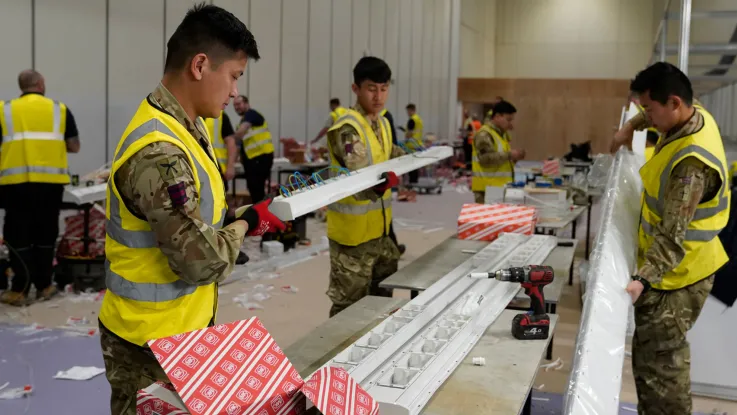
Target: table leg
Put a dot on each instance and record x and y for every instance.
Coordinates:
(527, 409)
(573, 228)
(549, 353)
(588, 226)
(413, 293)
(570, 274)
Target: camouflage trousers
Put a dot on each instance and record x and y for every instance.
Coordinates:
(128, 368)
(356, 271)
(479, 197)
(661, 356)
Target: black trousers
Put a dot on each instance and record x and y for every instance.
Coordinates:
(258, 171)
(31, 228)
(467, 153)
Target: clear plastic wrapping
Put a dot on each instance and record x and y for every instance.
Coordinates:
(599, 171)
(596, 374)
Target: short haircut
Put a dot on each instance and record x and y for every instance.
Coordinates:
(211, 30)
(662, 80)
(652, 137)
(370, 68)
(503, 107)
(28, 79)
(334, 101)
(243, 97)
(411, 106)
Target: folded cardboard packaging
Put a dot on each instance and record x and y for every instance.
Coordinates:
(237, 368)
(486, 222)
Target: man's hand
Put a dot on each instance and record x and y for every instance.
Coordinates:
(516, 155)
(622, 137)
(260, 220)
(634, 289)
(390, 180)
(230, 173)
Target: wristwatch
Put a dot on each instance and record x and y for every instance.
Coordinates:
(645, 283)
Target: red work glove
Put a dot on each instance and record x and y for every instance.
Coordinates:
(260, 220)
(390, 180)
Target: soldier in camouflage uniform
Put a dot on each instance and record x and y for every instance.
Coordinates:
(357, 270)
(157, 184)
(674, 278)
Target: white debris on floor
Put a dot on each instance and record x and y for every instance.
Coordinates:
(80, 373)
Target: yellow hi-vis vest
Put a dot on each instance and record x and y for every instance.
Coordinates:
(351, 221)
(145, 300)
(491, 176)
(337, 113)
(417, 132)
(215, 130)
(258, 141)
(649, 151)
(33, 147)
(704, 251)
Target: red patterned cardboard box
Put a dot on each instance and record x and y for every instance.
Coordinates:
(551, 168)
(237, 368)
(72, 243)
(486, 222)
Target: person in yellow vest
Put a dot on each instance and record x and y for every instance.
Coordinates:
(223, 142)
(493, 157)
(336, 111)
(651, 141)
(497, 99)
(361, 252)
(686, 201)
(257, 149)
(413, 135)
(36, 133)
(165, 245)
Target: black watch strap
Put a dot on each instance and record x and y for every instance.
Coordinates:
(645, 283)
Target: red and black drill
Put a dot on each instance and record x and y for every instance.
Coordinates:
(535, 326)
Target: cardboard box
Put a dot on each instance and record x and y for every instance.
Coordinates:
(551, 168)
(486, 222)
(237, 368)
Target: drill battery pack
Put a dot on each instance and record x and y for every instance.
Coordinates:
(531, 326)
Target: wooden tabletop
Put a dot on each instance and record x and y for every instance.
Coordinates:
(314, 350)
(426, 270)
(500, 387)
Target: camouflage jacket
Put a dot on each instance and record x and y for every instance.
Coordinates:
(690, 183)
(486, 150)
(197, 253)
(350, 152)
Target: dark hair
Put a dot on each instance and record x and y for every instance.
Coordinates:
(503, 107)
(662, 80)
(212, 30)
(243, 97)
(411, 106)
(652, 137)
(334, 101)
(372, 69)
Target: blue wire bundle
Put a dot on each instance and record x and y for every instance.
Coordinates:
(298, 182)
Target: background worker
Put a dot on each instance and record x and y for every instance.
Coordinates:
(165, 245)
(413, 135)
(685, 206)
(336, 111)
(467, 132)
(257, 154)
(36, 133)
(497, 99)
(493, 156)
(223, 142)
(361, 253)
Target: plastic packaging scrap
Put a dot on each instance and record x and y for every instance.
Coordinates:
(79, 373)
(290, 289)
(88, 296)
(252, 300)
(599, 171)
(556, 365)
(479, 361)
(31, 329)
(77, 321)
(15, 393)
(42, 339)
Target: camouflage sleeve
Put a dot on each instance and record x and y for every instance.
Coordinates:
(486, 150)
(197, 253)
(397, 151)
(689, 181)
(350, 152)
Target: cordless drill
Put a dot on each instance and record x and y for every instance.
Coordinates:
(532, 278)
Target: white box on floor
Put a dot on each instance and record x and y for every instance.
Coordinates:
(272, 248)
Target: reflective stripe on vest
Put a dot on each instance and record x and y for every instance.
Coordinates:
(11, 135)
(147, 239)
(694, 235)
(657, 204)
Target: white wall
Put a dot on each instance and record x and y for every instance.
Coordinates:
(556, 38)
(102, 57)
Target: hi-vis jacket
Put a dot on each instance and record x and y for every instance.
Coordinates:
(257, 141)
(498, 175)
(215, 129)
(351, 221)
(33, 147)
(145, 300)
(704, 251)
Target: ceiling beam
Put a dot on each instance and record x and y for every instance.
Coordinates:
(709, 78)
(704, 49)
(705, 14)
(712, 66)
